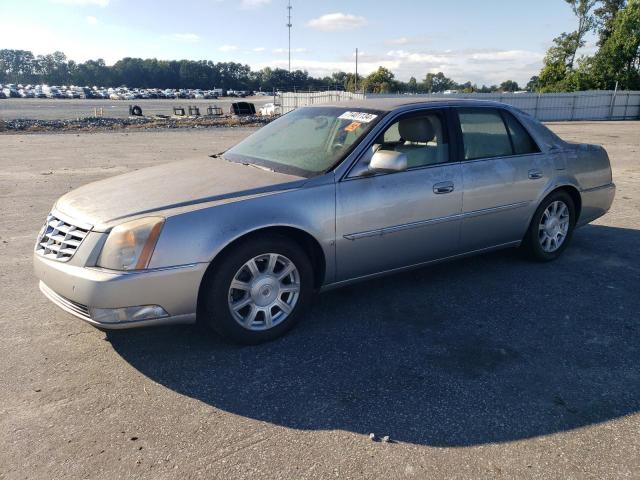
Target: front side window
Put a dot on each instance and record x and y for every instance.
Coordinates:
(484, 134)
(422, 138)
(308, 141)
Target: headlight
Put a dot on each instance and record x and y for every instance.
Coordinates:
(129, 246)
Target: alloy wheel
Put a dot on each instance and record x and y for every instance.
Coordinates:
(264, 291)
(554, 226)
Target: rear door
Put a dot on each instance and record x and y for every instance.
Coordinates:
(503, 173)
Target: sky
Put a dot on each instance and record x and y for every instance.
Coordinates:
(484, 42)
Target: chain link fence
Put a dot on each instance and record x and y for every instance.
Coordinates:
(590, 105)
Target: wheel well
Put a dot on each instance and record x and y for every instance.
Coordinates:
(302, 238)
(575, 196)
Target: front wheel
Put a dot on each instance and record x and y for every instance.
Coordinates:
(551, 227)
(258, 290)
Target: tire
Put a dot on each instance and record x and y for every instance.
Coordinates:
(136, 111)
(538, 243)
(260, 290)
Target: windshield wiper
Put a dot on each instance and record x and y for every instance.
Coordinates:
(259, 166)
(219, 155)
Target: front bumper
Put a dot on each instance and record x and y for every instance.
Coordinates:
(78, 289)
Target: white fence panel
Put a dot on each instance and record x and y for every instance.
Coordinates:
(590, 105)
(291, 101)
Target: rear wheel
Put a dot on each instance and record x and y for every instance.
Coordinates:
(258, 290)
(551, 227)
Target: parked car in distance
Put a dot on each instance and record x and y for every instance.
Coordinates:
(321, 197)
(11, 91)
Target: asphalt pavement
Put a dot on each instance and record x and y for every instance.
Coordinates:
(488, 367)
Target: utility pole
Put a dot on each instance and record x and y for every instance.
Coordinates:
(289, 25)
(356, 83)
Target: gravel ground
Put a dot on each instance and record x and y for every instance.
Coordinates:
(490, 367)
(98, 124)
(69, 109)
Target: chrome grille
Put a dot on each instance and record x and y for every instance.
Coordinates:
(59, 240)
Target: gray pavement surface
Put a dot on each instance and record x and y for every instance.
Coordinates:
(489, 367)
(69, 109)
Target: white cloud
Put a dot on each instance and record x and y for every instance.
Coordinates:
(479, 66)
(91, 20)
(42, 39)
(228, 48)
(186, 37)
(254, 3)
(498, 56)
(403, 41)
(82, 3)
(397, 41)
(293, 50)
(337, 21)
(442, 59)
(259, 49)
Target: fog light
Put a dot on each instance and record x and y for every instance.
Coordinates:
(127, 314)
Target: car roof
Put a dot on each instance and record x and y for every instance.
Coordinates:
(390, 104)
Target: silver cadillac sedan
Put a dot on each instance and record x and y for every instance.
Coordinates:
(322, 197)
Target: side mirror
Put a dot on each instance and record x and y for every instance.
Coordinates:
(388, 161)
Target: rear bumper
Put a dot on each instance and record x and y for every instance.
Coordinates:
(79, 289)
(596, 202)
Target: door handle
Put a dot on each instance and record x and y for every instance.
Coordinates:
(535, 174)
(443, 187)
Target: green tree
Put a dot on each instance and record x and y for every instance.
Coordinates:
(605, 15)
(509, 86)
(557, 63)
(380, 81)
(437, 82)
(582, 9)
(16, 65)
(350, 83)
(412, 85)
(466, 87)
(557, 72)
(618, 59)
(91, 72)
(533, 84)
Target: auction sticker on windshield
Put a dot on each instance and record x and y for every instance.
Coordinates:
(352, 126)
(362, 117)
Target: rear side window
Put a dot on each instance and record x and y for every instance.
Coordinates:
(484, 134)
(522, 141)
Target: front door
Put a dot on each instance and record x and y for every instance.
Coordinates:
(388, 221)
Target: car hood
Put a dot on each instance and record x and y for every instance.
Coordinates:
(172, 186)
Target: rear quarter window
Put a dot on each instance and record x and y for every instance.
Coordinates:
(522, 142)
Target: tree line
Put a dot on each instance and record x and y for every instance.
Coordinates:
(22, 66)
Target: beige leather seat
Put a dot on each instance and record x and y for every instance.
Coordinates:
(417, 133)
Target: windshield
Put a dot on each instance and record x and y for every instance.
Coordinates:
(307, 141)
